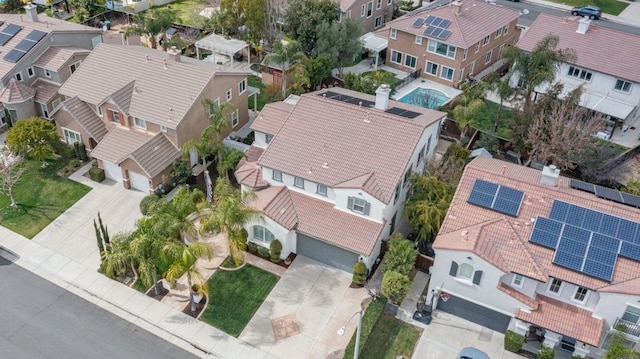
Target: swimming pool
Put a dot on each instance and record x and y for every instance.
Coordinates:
(427, 98)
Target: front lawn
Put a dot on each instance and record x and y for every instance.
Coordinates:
(612, 7)
(391, 339)
(235, 296)
(486, 118)
(42, 196)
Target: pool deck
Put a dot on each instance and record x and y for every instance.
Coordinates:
(426, 84)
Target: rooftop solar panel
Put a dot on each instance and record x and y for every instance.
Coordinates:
(544, 239)
(436, 33)
(583, 186)
(419, 21)
(436, 22)
(568, 260)
(627, 230)
(1, 22)
(445, 34)
(4, 38)
(481, 199)
(598, 270)
(609, 225)
(608, 193)
(11, 29)
(630, 200)
(575, 216)
(14, 56)
(592, 220)
(630, 250)
(429, 19)
(445, 23)
(576, 234)
(499, 198)
(36, 35)
(604, 242)
(25, 45)
(602, 256)
(485, 187)
(559, 210)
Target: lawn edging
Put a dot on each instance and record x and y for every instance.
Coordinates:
(369, 319)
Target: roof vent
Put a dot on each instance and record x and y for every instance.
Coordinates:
(583, 26)
(146, 58)
(465, 235)
(366, 119)
(325, 165)
(550, 176)
(165, 63)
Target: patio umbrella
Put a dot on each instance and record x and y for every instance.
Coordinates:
(209, 184)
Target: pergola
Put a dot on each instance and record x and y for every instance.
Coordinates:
(219, 44)
(374, 43)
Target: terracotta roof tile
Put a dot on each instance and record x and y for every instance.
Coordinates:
(272, 117)
(616, 49)
(119, 143)
(248, 172)
(530, 302)
(16, 91)
(565, 319)
(155, 155)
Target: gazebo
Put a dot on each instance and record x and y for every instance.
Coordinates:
(219, 44)
(374, 43)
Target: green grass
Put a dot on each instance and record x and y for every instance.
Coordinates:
(188, 11)
(486, 118)
(386, 77)
(255, 81)
(371, 315)
(235, 296)
(391, 338)
(42, 196)
(612, 7)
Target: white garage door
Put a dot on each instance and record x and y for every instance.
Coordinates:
(112, 171)
(139, 182)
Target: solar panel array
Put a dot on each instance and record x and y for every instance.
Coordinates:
(24, 46)
(496, 197)
(8, 33)
(586, 240)
(369, 104)
(437, 27)
(607, 193)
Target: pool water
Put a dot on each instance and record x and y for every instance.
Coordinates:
(427, 98)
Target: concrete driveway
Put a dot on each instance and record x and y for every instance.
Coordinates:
(309, 304)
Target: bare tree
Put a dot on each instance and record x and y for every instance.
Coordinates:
(11, 169)
(562, 131)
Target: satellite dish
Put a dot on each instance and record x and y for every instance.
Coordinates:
(525, 11)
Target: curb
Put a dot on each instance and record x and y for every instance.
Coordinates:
(609, 18)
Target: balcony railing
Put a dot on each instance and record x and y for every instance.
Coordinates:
(632, 329)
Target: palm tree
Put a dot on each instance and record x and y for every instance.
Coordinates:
(145, 247)
(289, 56)
(150, 25)
(229, 214)
(172, 215)
(120, 255)
(468, 104)
(183, 258)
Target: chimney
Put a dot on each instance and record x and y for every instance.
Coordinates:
(583, 26)
(32, 12)
(456, 6)
(550, 176)
(382, 97)
(174, 54)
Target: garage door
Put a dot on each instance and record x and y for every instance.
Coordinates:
(475, 313)
(326, 253)
(139, 182)
(112, 171)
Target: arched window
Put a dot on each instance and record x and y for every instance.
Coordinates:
(262, 235)
(465, 271)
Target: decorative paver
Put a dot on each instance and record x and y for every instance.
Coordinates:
(286, 326)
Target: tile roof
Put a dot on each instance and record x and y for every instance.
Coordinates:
(45, 91)
(615, 49)
(504, 241)
(476, 20)
(565, 319)
(16, 91)
(155, 155)
(119, 143)
(147, 82)
(331, 142)
(318, 219)
(272, 117)
(346, 5)
(530, 302)
(85, 117)
(56, 56)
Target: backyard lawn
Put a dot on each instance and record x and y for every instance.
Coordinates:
(42, 196)
(255, 81)
(188, 11)
(235, 296)
(612, 7)
(486, 118)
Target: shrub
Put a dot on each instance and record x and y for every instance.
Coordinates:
(395, 286)
(147, 202)
(74, 163)
(97, 174)
(76, 149)
(546, 352)
(181, 172)
(489, 142)
(359, 273)
(275, 248)
(252, 247)
(83, 152)
(513, 341)
(263, 251)
(401, 256)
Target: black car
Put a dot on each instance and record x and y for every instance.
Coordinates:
(592, 12)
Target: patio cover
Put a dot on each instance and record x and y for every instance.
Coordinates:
(221, 45)
(606, 105)
(373, 42)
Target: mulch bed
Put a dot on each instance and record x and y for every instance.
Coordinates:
(199, 308)
(151, 293)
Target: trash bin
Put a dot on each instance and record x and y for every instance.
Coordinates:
(107, 24)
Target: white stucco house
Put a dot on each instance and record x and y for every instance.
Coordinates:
(605, 66)
(330, 171)
(551, 258)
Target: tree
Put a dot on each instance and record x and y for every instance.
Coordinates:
(633, 187)
(120, 255)
(339, 41)
(488, 142)
(11, 170)
(318, 69)
(146, 244)
(617, 349)
(181, 173)
(428, 205)
(211, 139)
(32, 138)
(504, 91)
(151, 24)
(400, 256)
(183, 258)
(561, 132)
(304, 16)
(395, 286)
(467, 105)
(287, 55)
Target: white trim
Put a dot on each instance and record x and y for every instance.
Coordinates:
(393, 33)
(242, 84)
(33, 71)
(229, 94)
(142, 125)
(513, 280)
(66, 138)
(234, 119)
(99, 111)
(163, 128)
(76, 64)
(375, 24)
(45, 110)
(573, 296)
(418, 40)
(406, 57)
(47, 73)
(559, 288)
(453, 73)
(401, 57)
(488, 57)
(18, 76)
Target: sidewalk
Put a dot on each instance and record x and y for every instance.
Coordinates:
(629, 16)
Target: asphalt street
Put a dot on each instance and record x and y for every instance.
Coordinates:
(535, 10)
(41, 320)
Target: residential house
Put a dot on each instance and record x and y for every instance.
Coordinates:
(603, 65)
(331, 171)
(38, 55)
(135, 107)
(372, 14)
(551, 258)
(448, 42)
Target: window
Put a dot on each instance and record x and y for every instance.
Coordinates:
(379, 22)
(55, 103)
(555, 285)
(410, 61)
(213, 105)
(392, 33)
(581, 294)
(464, 54)
(407, 175)
(277, 176)
(395, 199)
(30, 72)
(396, 57)
(579, 73)
(45, 110)
(322, 189)
(140, 123)
(99, 111)
(622, 85)
(115, 116)
(13, 115)
(421, 153)
(234, 118)
(379, 5)
(418, 39)
(500, 51)
(163, 128)
(431, 68)
(472, 67)
(261, 234)
(486, 40)
(363, 9)
(229, 92)
(446, 73)
(369, 9)
(389, 2)
(428, 145)
(631, 314)
(499, 32)
(298, 182)
(487, 58)
(268, 138)
(19, 76)
(348, 14)
(242, 86)
(465, 270)
(477, 46)
(359, 205)
(441, 48)
(461, 77)
(47, 73)
(517, 280)
(70, 137)
(505, 30)
(74, 66)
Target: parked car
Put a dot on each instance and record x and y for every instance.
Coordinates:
(592, 12)
(472, 353)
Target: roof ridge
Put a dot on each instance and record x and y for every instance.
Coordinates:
(526, 249)
(462, 35)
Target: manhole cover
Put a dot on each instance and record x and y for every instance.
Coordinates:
(284, 327)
